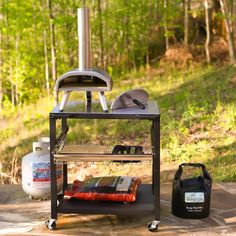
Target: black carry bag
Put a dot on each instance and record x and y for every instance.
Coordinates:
(191, 197)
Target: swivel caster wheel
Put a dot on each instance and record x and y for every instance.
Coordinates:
(153, 226)
(51, 224)
(33, 198)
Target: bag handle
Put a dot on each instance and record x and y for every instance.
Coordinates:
(199, 165)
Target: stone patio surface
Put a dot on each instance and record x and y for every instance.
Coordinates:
(22, 216)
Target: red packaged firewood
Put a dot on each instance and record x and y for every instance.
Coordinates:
(109, 188)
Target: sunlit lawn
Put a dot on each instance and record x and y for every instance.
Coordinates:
(198, 120)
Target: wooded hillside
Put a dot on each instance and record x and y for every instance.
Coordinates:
(38, 39)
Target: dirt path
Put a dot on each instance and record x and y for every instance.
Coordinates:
(22, 216)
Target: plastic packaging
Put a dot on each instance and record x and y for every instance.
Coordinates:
(117, 189)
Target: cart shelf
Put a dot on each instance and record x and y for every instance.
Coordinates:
(77, 110)
(92, 153)
(143, 205)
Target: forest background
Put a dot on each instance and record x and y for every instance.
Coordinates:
(182, 52)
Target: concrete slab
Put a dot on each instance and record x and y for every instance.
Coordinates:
(22, 216)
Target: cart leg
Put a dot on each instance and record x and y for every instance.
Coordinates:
(53, 169)
(153, 156)
(155, 136)
(64, 128)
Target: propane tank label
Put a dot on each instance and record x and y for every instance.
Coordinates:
(194, 197)
(41, 172)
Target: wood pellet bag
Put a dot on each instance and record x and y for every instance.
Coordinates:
(109, 188)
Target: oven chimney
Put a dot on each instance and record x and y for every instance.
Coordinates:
(84, 49)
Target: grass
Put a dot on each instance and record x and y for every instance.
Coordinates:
(198, 120)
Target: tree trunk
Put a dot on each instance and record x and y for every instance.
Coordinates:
(106, 57)
(12, 86)
(207, 31)
(234, 14)
(147, 60)
(130, 51)
(1, 86)
(186, 23)
(101, 34)
(17, 60)
(127, 29)
(230, 33)
(53, 48)
(166, 24)
(46, 62)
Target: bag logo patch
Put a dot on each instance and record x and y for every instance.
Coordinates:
(194, 197)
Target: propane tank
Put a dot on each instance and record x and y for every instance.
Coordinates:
(36, 178)
(45, 142)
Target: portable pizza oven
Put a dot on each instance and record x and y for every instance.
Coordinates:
(84, 78)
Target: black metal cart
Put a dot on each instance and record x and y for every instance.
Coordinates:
(148, 196)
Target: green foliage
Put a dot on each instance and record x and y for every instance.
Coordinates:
(131, 30)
